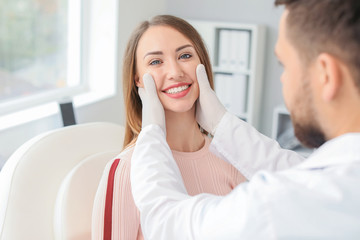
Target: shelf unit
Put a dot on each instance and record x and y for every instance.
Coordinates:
(283, 132)
(238, 83)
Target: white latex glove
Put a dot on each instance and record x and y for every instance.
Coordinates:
(152, 109)
(209, 110)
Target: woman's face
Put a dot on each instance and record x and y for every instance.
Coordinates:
(171, 59)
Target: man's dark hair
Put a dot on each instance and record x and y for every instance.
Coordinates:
(326, 26)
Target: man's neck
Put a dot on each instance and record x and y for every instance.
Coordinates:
(349, 124)
(343, 118)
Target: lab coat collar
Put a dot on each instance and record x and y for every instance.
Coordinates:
(341, 150)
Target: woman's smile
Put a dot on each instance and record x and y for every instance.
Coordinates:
(178, 90)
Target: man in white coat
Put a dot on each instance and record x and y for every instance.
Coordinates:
(319, 48)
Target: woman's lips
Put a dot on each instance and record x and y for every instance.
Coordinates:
(178, 90)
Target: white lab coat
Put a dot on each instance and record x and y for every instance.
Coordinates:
(317, 199)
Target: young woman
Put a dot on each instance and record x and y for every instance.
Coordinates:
(169, 49)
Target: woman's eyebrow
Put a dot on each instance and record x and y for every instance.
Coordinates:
(160, 52)
(154, 53)
(182, 47)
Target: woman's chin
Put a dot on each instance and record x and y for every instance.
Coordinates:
(180, 109)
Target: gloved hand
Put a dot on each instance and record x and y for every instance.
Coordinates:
(209, 110)
(152, 109)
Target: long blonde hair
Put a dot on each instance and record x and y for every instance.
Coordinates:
(133, 106)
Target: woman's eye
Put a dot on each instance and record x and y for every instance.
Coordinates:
(154, 62)
(185, 56)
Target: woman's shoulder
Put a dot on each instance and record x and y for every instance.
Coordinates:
(121, 161)
(124, 215)
(126, 154)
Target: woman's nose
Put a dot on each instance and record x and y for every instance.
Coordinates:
(174, 70)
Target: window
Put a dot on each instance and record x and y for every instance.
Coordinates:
(55, 49)
(39, 51)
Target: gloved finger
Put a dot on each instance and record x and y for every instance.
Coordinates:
(202, 77)
(150, 86)
(142, 94)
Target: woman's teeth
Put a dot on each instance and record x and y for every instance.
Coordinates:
(177, 89)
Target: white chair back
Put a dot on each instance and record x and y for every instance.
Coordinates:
(31, 178)
(75, 199)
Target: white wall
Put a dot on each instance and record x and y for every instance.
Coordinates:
(111, 110)
(244, 11)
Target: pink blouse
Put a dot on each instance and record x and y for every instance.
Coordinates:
(115, 214)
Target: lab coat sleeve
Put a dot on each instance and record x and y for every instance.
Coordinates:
(248, 150)
(168, 212)
(296, 203)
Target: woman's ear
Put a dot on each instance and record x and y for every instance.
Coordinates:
(138, 83)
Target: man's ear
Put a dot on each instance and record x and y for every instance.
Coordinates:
(330, 70)
(138, 83)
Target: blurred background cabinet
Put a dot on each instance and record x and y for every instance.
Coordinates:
(237, 55)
